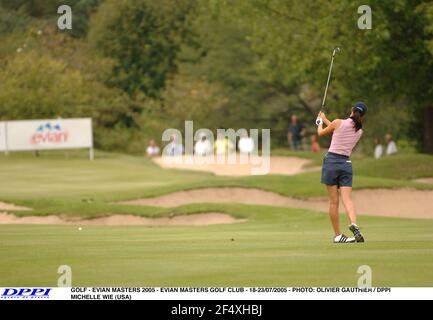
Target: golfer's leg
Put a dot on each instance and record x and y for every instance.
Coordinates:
(333, 208)
(346, 196)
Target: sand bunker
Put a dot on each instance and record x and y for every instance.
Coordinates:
(403, 203)
(278, 165)
(124, 220)
(12, 207)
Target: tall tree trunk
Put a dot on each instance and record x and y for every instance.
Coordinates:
(428, 130)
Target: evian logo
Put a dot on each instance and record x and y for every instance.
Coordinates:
(50, 133)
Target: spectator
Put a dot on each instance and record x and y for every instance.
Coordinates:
(315, 147)
(391, 147)
(223, 145)
(378, 149)
(296, 132)
(174, 148)
(246, 143)
(152, 149)
(203, 147)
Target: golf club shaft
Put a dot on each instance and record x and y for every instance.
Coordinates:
(318, 120)
(327, 82)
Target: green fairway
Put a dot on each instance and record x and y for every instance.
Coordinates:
(275, 247)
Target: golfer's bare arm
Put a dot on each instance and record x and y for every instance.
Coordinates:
(330, 127)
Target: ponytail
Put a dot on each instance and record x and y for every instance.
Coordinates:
(357, 119)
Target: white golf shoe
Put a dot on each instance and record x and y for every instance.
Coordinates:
(343, 239)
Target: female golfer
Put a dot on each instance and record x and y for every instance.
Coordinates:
(337, 167)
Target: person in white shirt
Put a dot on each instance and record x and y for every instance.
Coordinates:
(203, 147)
(391, 147)
(152, 149)
(173, 148)
(246, 144)
(378, 149)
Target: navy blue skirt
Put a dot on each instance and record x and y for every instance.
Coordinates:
(337, 170)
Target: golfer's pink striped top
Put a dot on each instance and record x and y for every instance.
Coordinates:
(345, 138)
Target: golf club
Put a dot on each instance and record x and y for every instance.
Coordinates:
(336, 49)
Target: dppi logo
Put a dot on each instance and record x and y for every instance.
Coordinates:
(48, 133)
(25, 293)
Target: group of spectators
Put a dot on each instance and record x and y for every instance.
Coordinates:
(391, 147)
(204, 146)
(222, 145)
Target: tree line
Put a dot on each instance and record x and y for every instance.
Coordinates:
(140, 66)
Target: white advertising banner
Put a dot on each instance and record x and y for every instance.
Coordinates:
(2, 136)
(49, 134)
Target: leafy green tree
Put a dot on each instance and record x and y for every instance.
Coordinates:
(144, 39)
(226, 59)
(47, 9)
(392, 63)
